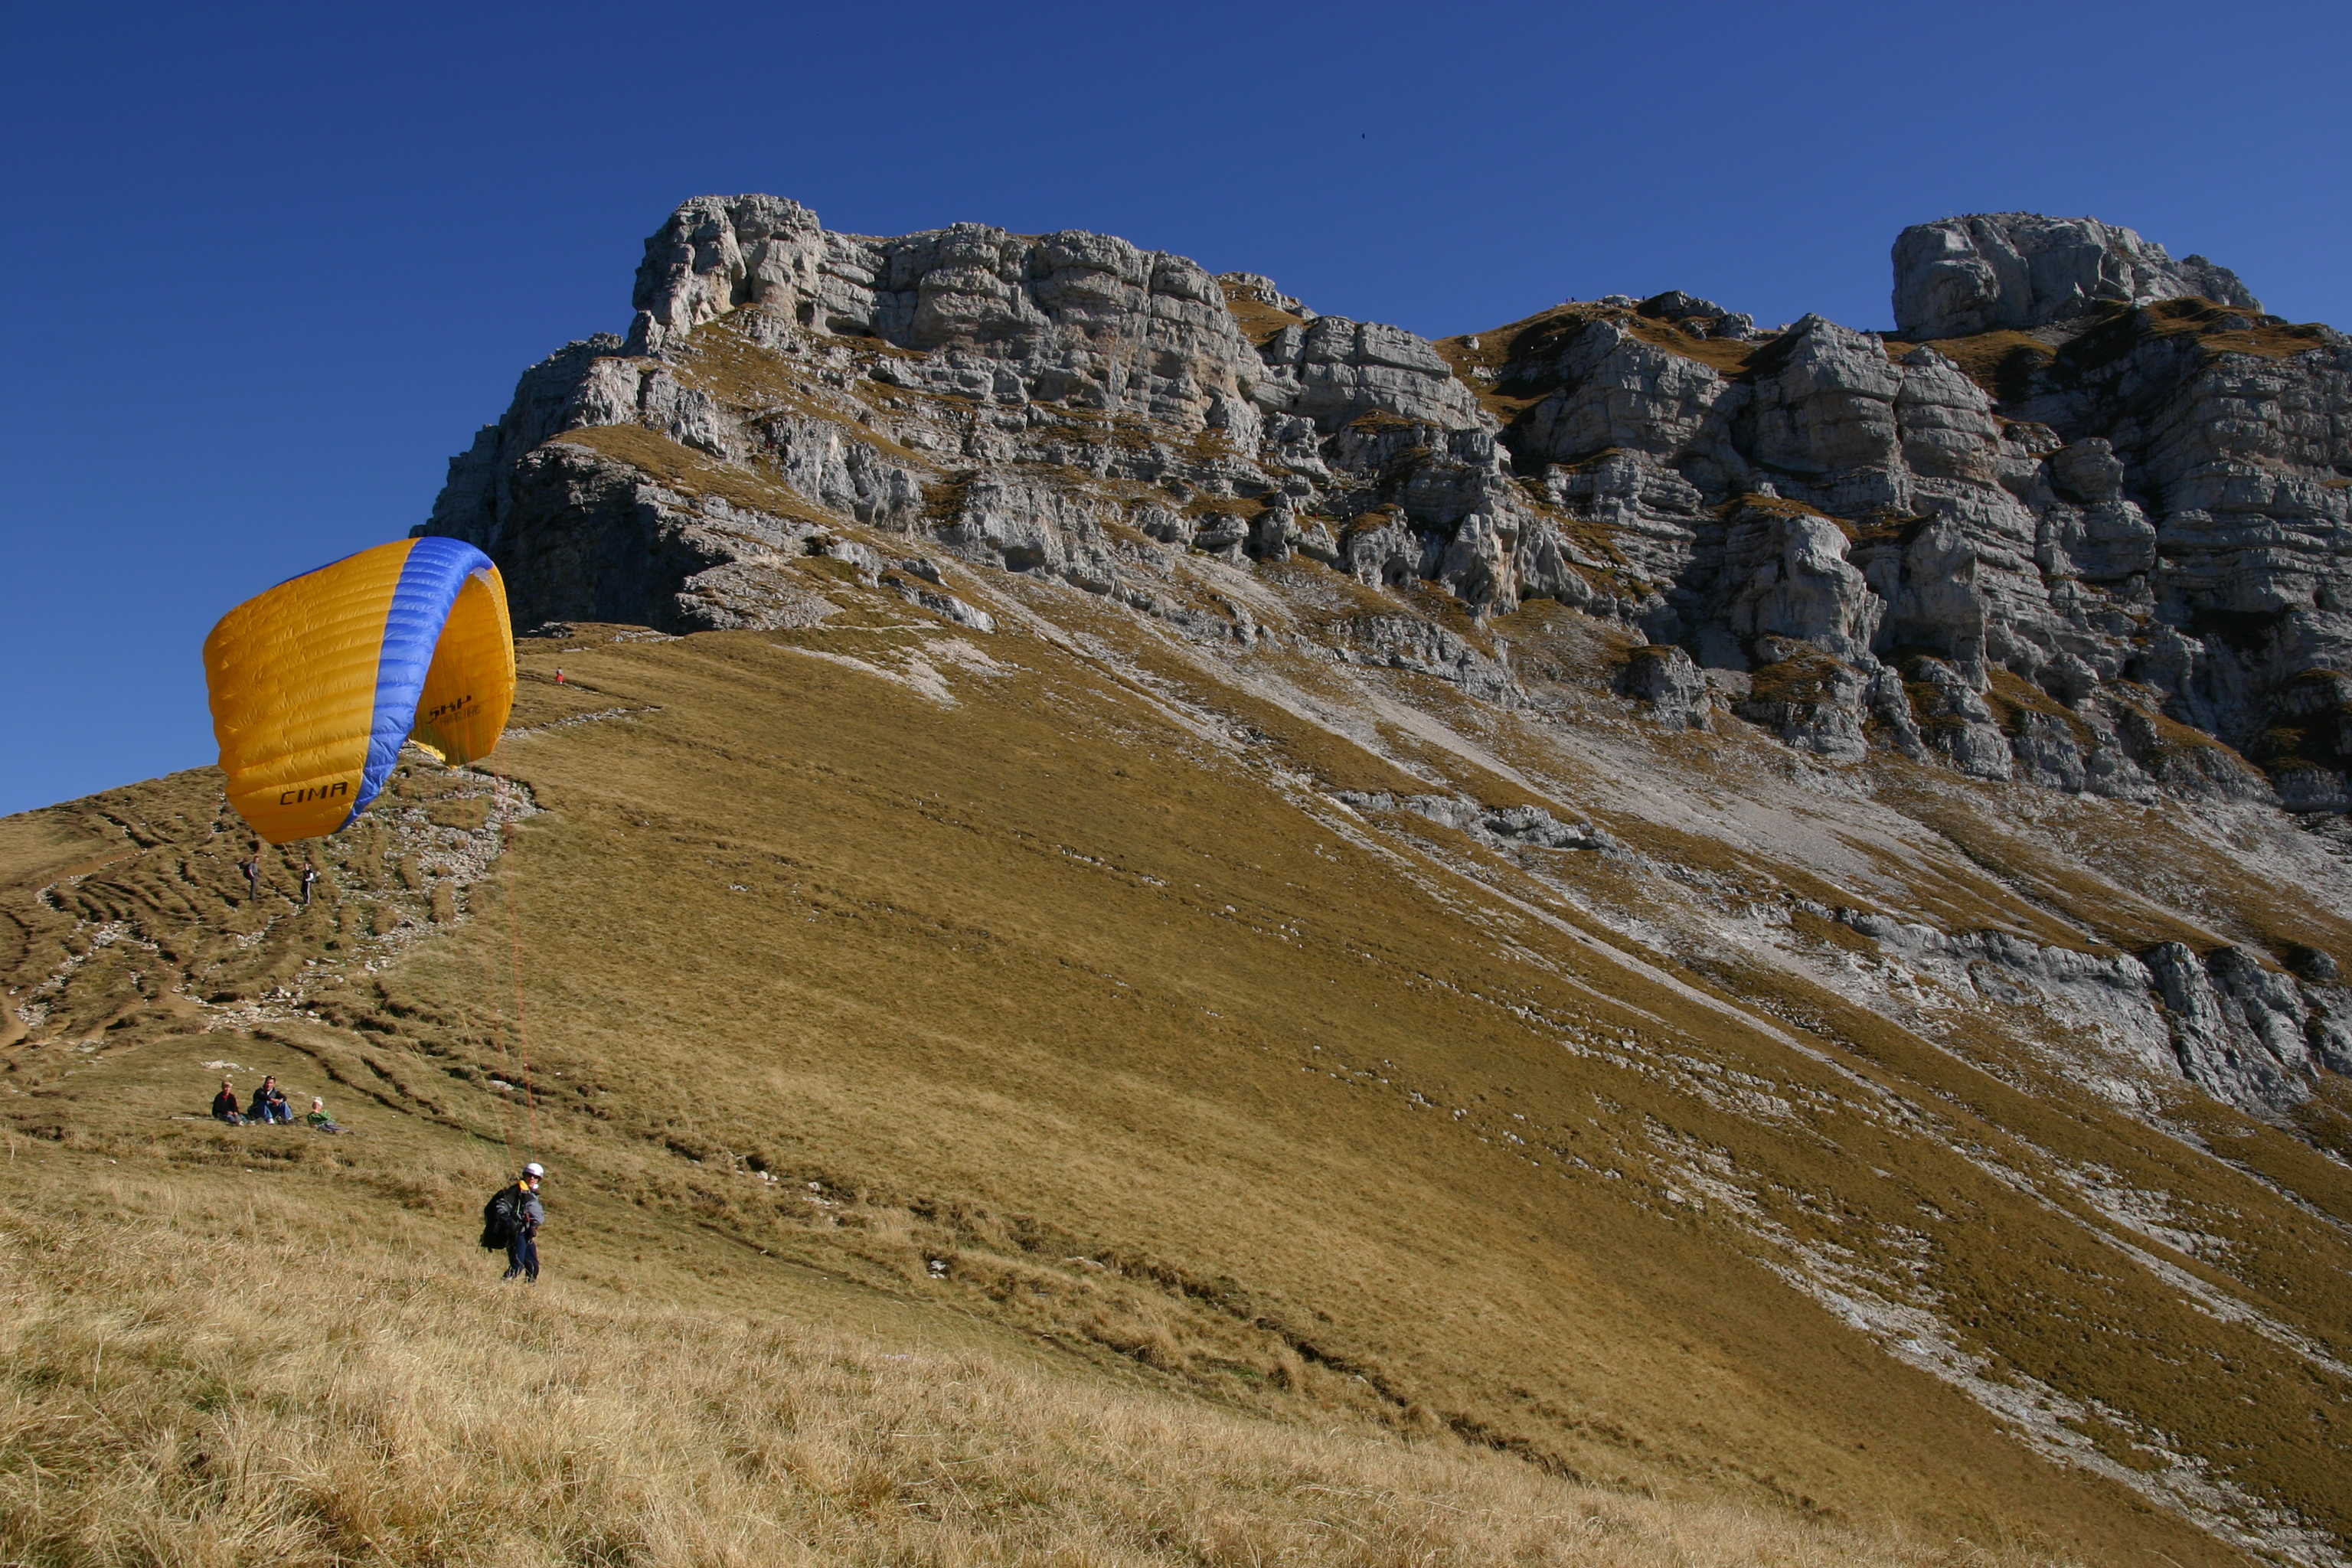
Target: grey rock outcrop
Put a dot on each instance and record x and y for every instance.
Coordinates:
(2242, 1031)
(2245, 1033)
(1496, 826)
(1990, 271)
(1078, 318)
(2111, 557)
(1672, 689)
(1257, 287)
(1786, 575)
(1409, 643)
(2108, 551)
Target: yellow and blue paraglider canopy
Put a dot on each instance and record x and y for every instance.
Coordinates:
(316, 682)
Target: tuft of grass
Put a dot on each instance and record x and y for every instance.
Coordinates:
(2215, 328)
(2004, 364)
(2009, 364)
(1259, 322)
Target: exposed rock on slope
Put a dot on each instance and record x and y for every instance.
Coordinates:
(2021, 270)
(2134, 509)
(2101, 556)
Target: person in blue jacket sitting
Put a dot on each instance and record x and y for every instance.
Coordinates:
(269, 1103)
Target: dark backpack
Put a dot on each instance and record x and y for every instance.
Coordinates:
(501, 1218)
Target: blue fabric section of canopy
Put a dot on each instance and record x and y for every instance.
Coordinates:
(429, 581)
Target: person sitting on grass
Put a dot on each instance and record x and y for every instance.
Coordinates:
(269, 1103)
(224, 1105)
(319, 1117)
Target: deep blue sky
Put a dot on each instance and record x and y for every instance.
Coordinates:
(269, 266)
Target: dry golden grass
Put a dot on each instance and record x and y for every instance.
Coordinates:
(2215, 328)
(2007, 363)
(2004, 363)
(1258, 320)
(1114, 1064)
(203, 1374)
(1725, 356)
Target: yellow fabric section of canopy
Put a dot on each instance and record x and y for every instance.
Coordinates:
(469, 690)
(293, 674)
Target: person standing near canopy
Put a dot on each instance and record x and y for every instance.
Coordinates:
(315, 686)
(511, 1219)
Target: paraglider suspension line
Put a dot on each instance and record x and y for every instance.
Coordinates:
(500, 1029)
(523, 1029)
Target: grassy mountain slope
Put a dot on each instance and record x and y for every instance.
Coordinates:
(393, 1408)
(1035, 999)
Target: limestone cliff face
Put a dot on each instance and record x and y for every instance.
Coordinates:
(2082, 526)
(1033, 401)
(1995, 271)
(2090, 499)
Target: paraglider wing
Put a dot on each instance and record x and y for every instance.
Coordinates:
(316, 682)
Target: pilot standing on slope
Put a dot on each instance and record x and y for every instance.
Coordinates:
(522, 1240)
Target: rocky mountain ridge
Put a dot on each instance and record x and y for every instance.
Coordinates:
(2091, 541)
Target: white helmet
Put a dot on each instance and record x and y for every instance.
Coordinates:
(534, 1169)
